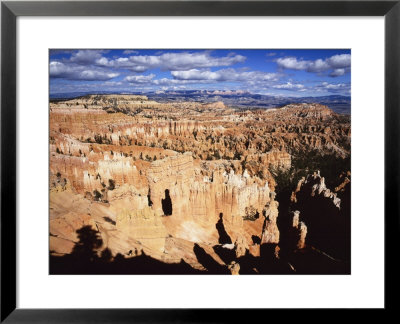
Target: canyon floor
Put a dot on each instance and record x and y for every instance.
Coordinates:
(144, 187)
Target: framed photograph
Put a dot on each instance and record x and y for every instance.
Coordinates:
(164, 158)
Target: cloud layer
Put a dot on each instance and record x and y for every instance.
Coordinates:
(265, 72)
(168, 61)
(337, 64)
(223, 75)
(79, 72)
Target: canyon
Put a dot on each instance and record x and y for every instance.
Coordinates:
(141, 186)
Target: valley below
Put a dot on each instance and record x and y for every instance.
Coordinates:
(140, 186)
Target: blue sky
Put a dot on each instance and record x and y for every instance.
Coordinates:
(279, 72)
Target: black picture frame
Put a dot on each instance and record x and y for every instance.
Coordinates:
(10, 10)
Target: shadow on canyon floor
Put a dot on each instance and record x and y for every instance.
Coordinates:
(208, 262)
(328, 235)
(86, 259)
(224, 238)
(305, 261)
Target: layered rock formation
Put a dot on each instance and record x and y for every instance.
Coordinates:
(184, 181)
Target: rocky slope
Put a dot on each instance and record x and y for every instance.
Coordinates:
(185, 181)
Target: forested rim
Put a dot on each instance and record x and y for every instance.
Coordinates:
(330, 166)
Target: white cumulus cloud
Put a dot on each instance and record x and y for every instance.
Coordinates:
(139, 78)
(172, 61)
(224, 75)
(288, 86)
(79, 72)
(338, 64)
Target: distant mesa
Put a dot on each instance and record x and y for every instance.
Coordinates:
(238, 98)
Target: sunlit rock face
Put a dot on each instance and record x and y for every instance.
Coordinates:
(170, 180)
(271, 231)
(300, 230)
